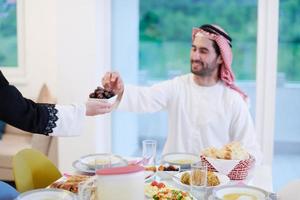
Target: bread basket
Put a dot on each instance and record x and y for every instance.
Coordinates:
(234, 169)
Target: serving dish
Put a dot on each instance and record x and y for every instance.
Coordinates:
(167, 171)
(223, 179)
(184, 160)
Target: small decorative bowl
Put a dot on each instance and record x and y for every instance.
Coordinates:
(167, 171)
(184, 160)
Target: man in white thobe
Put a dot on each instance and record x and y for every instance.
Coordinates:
(205, 108)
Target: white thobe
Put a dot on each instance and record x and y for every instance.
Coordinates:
(198, 116)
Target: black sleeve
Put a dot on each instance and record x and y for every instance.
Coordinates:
(24, 113)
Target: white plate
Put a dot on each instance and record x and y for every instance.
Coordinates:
(82, 168)
(89, 160)
(86, 170)
(222, 178)
(47, 194)
(184, 160)
(248, 190)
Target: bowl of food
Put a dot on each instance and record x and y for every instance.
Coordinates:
(214, 179)
(232, 160)
(233, 192)
(167, 171)
(101, 94)
(184, 160)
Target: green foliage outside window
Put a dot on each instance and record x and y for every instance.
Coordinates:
(8, 33)
(289, 40)
(165, 34)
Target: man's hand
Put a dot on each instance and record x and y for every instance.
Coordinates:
(97, 107)
(112, 81)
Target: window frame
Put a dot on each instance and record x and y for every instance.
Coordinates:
(266, 72)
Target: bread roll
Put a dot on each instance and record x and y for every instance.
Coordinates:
(231, 151)
(210, 152)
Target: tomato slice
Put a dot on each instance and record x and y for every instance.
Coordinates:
(161, 185)
(154, 183)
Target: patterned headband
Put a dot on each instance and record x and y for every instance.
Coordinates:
(212, 29)
(224, 43)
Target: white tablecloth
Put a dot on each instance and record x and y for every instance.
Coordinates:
(262, 178)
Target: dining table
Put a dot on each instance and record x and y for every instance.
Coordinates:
(260, 176)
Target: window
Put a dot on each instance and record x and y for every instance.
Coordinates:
(12, 39)
(287, 127)
(157, 46)
(8, 34)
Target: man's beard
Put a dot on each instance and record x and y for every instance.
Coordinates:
(205, 70)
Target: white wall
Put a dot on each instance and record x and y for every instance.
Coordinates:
(39, 36)
(82, 51)
(67, 45)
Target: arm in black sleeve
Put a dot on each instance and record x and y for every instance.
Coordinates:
(21, 112)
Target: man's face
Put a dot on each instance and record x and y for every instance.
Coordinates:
(204, 60)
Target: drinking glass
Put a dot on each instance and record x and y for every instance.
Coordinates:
(87, 189)
(149, 152)
(198, 179)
